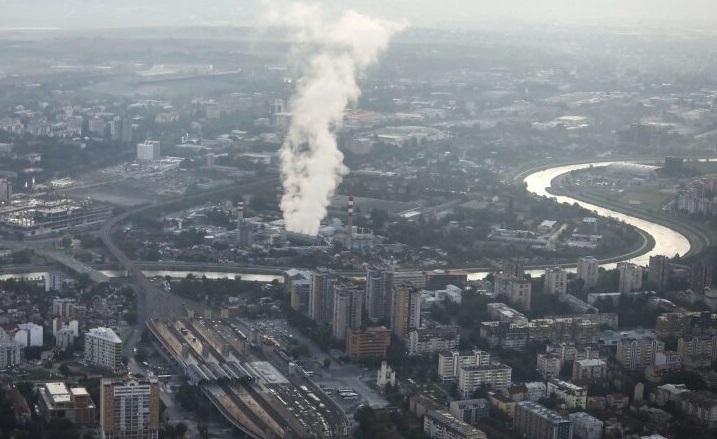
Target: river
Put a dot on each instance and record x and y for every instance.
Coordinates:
(667, 241)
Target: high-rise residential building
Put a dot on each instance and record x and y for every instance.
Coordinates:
(417, 278)
(630, 277)
(29, 334)
(450, 362)
(634, 354)
(588, 271)
(538, 422)
(103, 348)
(5, 190)
(440, 424)
(700, 276)
(658, 272)
(148, 151)
(321, 297)
(57, 401)
(10, 350)
(63, 308)
(517, 289)
(348, 310)
(556, 281)
(298, 285)
(379, 284)
(369, 342)
(129, 408)
(405, 309)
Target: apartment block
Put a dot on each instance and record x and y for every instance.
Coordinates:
(103, 348)
(427, 341)
(129, 408)
(556, 281)
(450, 362)
(586, 426)
(470, 410)
(573, 396)
(537, 422)
(471, 378)
(372, 341)
(440, 424)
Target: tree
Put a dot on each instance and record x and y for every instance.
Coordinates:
(327, 362)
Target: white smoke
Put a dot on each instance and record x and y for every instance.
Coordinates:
(335, 52)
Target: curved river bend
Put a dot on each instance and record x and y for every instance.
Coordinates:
(667, 241)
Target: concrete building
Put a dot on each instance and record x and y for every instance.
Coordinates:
(450, 362)
(471, 378)
(549, 365)
(148, 151)
(405, 309)
(63, 308)
(588, 271)
(440, 424)
(537, 422)
(130, 408)
(10, 350)
(103, 348)
(428, 341)
(586, 426)
(517, 289)
(702, 346)
(298, 286)
(637, 354)
(658, 272)
(348, 310)
(630, 277)
(5, 191)
(504, 313)
(556, 281)
(57, 401)
(321, 297)
(573, 396)
(379, 285)
(372, 341)
(29, 334)
(470, 410)
(593, 369)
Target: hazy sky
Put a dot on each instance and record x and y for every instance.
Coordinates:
(423, 13)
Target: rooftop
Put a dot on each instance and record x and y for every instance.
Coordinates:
(105, 334)
(542, 411)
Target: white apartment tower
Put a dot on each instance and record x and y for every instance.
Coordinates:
(148, 151)
(103, 348)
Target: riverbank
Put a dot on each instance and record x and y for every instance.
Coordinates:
(698, 239)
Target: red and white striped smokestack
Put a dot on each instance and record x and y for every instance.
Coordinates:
(350, 222)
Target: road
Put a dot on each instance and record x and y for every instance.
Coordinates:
(153, 302)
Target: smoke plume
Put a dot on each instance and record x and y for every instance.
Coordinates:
(334, 53)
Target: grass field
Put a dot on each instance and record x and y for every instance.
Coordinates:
(644, 199)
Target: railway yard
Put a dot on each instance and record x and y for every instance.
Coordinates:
(255, 386)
